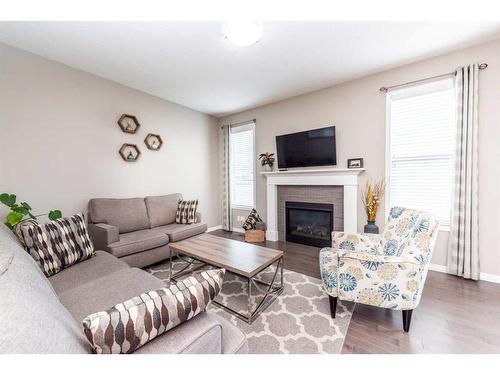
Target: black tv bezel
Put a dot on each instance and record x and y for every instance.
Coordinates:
(309, 164)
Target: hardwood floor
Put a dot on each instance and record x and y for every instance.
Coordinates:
(454, 316)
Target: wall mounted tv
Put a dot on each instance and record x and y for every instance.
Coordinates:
(310, 148)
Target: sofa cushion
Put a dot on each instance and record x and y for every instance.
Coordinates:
(162, 209)
(135, 242)
(202, 335)
(177, 232)
(57, 244)
(32, 318)
(147, 258)
(126, 214)
(134, 322)
(100, 265)
(102, 294)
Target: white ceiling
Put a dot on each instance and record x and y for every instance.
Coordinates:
(191, 63)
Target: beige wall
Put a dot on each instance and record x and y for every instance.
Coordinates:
(60, 141)
(357, 109)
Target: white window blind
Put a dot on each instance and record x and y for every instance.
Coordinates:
(422, 128)
(242, 167)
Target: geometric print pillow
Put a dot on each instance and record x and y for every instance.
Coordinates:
(252, 220)
(186, 212)
(57, 244)
(129, 325)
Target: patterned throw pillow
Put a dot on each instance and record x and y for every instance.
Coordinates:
(57, 244)
(186, 212)
(252, 220)
(129, 325)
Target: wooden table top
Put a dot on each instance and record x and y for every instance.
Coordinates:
(241, 258)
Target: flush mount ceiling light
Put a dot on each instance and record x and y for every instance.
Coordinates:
(243, 33)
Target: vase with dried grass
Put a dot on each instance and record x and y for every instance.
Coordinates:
(371, 197)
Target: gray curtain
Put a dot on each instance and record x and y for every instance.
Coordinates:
(226, 205)
(463, 250)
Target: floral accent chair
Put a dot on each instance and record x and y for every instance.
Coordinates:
(386, 270)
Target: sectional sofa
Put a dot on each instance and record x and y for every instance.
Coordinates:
(44, 315)
(138, 230)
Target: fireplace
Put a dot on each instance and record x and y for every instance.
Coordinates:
(309, 223)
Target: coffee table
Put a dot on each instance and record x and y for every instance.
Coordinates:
(243, 259)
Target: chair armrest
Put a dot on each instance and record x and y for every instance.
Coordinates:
(356, 242)
(103, 234)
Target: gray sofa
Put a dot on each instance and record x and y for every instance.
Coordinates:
(138, 230)
(43, 315)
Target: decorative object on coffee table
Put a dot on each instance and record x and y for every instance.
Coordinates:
(355, 163)
(372, 196)
(128, 123)
(129, 152)
(153, 141)
(267, 161)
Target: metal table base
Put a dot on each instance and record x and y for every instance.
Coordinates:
(274, 289)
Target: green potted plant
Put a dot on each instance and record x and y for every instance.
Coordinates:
(267, 161)
(20, 212)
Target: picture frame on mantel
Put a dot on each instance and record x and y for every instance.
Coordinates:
(355, 163)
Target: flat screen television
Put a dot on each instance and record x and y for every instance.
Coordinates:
(311, 148)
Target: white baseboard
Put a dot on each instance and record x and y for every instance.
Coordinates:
(211, 229)
(482, 276)
(437, 268)
(237, 230)
(490, 277)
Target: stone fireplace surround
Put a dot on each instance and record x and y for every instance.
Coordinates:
(303, 182)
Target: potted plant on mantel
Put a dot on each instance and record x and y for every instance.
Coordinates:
(371, 197)
(21, 212)
(267, 161)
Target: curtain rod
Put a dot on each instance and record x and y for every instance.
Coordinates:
(482, 66)
(241, 123)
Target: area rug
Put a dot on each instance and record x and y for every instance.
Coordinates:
(297, 322)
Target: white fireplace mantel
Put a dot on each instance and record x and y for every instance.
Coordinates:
(348, 178)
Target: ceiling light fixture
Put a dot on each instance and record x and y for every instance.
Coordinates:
(243, 33)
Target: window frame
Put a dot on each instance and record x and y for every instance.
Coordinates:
(251, 126)
(388, 100)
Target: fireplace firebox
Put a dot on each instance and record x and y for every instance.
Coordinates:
(309, 223)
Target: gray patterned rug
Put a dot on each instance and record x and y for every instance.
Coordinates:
(298, 322)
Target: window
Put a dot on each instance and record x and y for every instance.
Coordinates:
(421, 152)
(242, 166)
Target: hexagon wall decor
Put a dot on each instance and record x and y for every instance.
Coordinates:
(129, 152)
(153, 141)
(129, 123)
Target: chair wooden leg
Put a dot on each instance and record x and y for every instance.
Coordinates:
(333, 306)
(407, 319)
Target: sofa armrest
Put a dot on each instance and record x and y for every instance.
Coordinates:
(103, 234)
(356, 242)
(197, 218)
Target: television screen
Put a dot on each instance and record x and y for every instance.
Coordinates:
(307, 149)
